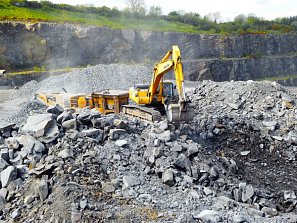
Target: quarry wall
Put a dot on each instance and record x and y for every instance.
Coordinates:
(215, 57)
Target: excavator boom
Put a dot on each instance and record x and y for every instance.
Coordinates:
(184, 110)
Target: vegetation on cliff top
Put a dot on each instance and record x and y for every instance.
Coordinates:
(131, 18)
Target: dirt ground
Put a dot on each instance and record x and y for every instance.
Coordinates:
(6, 105)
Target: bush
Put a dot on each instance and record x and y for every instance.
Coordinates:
(39, 69)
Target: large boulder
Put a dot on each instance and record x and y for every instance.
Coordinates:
(27, 141)
(7, 175)
(37, 125)
(209, 216)
(3, 164)
(115, 134)
(70, 124)
(55, 109)
(12, 143)
(130, 181)
(41, 126)
(168, 178)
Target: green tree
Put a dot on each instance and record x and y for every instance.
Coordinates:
(155, 11)
(214, 16)
(251, 19)
(294, 25)
(174, 16)
(47, 4)
(115, 12)
(137, 7)
(20, 3)
(240, 19)
(192, 18)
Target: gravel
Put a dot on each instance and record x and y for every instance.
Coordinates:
(96, 78)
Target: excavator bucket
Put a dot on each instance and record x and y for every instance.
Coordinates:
(176, 114)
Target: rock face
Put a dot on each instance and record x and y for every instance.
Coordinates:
(214, 57)
(245, 68)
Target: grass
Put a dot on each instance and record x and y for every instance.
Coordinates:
(59, 14)
(28, 72)
(13, 13)
(278, 78)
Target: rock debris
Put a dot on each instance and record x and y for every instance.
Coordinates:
(235, 162)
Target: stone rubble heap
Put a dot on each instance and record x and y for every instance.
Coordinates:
(261, 118)
(234, 163)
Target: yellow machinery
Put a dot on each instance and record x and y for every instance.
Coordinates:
(108, 101)
(148, 98)
(160, 93)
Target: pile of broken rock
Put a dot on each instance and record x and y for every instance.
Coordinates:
(67, 166)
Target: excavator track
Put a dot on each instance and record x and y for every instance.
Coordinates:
(144, 113)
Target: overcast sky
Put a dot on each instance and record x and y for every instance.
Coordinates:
(268, 9)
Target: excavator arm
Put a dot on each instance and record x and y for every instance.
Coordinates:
(163, 67)
(159, 70)
(184, 110)
(178, 71)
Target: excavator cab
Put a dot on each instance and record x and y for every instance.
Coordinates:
(168, 89)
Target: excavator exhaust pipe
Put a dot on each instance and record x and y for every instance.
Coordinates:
(176, 114)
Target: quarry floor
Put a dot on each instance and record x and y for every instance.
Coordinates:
(7, 106)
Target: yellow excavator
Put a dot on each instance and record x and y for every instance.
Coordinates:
(160, 93)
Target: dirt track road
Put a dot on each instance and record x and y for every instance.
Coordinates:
(7, 106)
(5, 94)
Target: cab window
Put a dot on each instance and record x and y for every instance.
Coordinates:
(167, 89)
